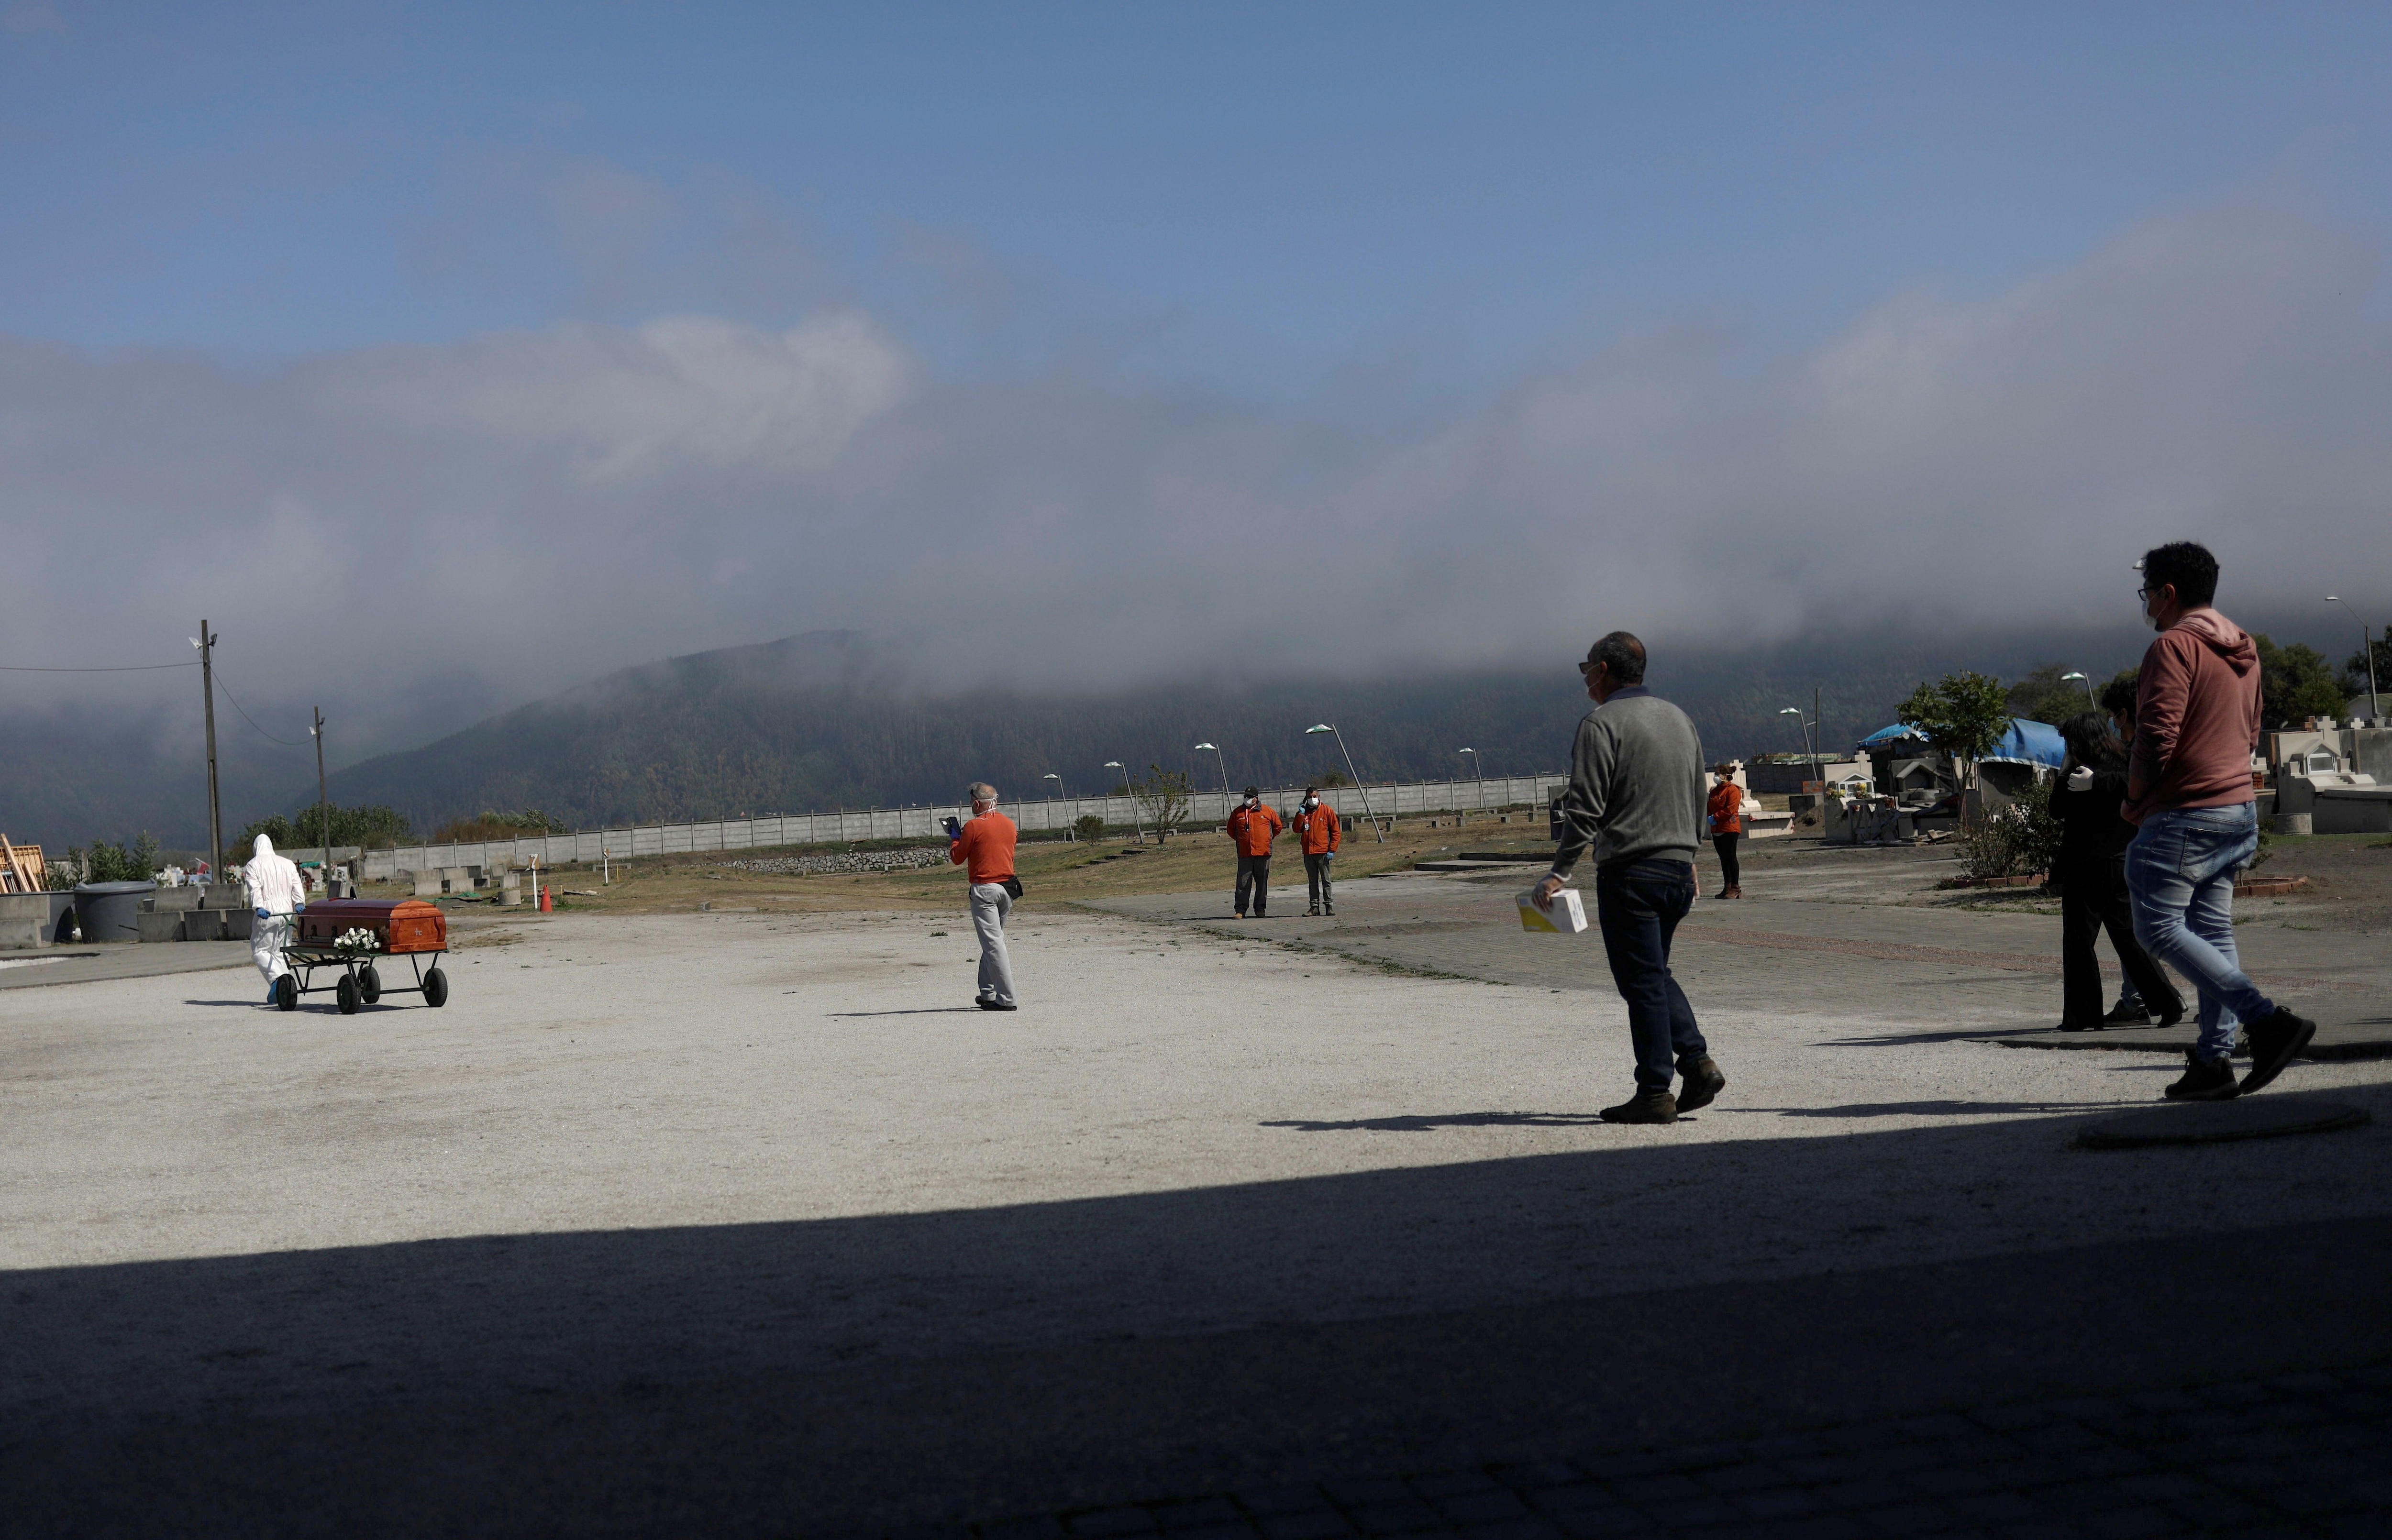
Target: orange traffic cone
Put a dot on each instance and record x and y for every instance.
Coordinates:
(546, 907)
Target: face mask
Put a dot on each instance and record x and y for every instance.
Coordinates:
(1311, 803)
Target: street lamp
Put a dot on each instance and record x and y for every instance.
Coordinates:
(1128, 791)
(1809, 746)
(2367, 646)
(2081, 679)
(1332, 730)
(1479, 768)
(1225, 777)
(1060, 795)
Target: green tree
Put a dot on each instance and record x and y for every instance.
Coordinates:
(2044, 696)
(1962, 715)
(2296, 682)
(374, 828)
(135, 862)
(1162, 796)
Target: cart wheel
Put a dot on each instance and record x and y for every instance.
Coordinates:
(369, 983)
(435, 987)
(286, 993)
(346, 992)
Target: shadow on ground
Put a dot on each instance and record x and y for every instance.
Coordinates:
(902, 1369)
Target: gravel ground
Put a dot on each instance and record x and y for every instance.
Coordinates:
(1264, 1135)
(847, 860)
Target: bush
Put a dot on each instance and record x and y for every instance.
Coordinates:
(372, 828)
(107, 862)
(1164, 796)
(2012, 841)
(1088, 826)
(492, 826)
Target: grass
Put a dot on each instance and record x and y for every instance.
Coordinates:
(1054, 874)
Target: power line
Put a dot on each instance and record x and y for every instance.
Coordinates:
(247, 718)
(127, 669)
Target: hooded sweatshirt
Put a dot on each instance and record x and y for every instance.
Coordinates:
(273, 882)
(2196, 717)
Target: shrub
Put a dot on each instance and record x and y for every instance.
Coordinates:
(493, 825)
(1088, 826)
(107, 862)
(2011, 841)
(1162, 796)
(370, 828)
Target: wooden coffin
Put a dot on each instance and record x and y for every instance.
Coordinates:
(404, 924)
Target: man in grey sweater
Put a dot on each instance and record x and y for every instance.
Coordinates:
(1636, 797)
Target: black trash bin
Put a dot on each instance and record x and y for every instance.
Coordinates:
(111, 910)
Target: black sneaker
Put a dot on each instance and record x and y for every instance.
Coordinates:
(1645, 1107)
(1700, 1082)
(2274, 1043)
(2136, 1014)
(2205, 1083)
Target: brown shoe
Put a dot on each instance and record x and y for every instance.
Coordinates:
(1645, 1107)
(1733, 893)
(1700, 1082)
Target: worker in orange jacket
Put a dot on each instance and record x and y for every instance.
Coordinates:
(1318, 834)
(1252, 829)
(1725, 812)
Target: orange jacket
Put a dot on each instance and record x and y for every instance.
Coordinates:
(1254, 829)
(1318, 832)
(987, 843)
(1726, 808)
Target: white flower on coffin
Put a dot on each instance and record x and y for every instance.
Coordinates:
(356, 939)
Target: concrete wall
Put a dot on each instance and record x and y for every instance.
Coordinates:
(1051, 813)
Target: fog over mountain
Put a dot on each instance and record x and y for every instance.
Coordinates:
(415, 537)
(842, 719)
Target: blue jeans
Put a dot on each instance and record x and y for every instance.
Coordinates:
(2181, 874)
(1639, 904)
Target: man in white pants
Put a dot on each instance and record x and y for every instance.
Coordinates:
(276, 891)
(984, 848)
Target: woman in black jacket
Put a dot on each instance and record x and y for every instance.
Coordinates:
(2092, 872)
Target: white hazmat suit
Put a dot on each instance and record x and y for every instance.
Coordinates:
(276, 892)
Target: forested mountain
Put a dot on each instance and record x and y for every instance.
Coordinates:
(830, 719)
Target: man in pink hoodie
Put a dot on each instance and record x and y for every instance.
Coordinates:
(2189, 793)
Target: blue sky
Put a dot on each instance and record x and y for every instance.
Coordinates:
(1279, 202)
(526, 342)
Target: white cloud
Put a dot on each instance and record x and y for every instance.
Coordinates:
(539, 507)
(680, 391)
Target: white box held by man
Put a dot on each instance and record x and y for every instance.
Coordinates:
(1567, 917)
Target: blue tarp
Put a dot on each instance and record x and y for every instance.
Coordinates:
(2026, 743)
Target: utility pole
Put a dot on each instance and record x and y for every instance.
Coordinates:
(206, 641)
(1819, 731)
(323, 803)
